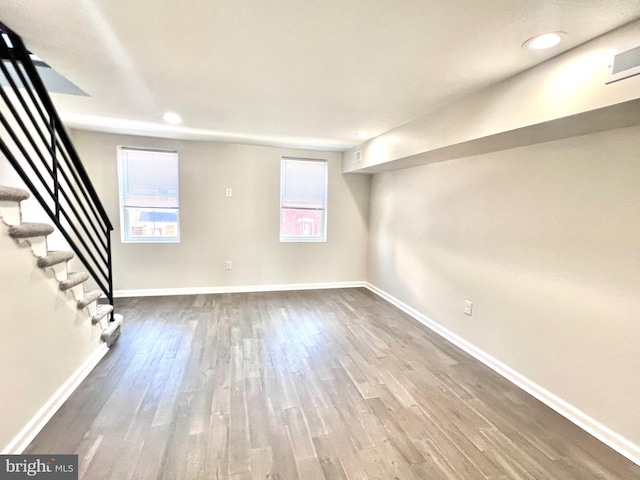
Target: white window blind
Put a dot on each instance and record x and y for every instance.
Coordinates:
(149, 195)
(150, 178)
(303, 200)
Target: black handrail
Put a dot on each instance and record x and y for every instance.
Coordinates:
(36, 144)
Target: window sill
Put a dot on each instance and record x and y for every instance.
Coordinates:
(303, 240)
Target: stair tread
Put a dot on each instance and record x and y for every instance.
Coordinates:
(113, 330)
(54, 258)
(74, 279)
(89, 297)
(13, 194)
(102, 311)
(29, 230)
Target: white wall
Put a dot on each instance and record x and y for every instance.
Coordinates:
(45, 344)
(545, 241)
(243, 228)
(31, 209)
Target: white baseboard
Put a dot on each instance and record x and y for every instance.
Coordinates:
(154, 292)
(40, 419)
(582, 420)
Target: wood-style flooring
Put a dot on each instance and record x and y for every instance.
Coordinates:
(326, 384)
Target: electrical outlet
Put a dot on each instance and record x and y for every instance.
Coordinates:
(468, 306)
(228, 192)
(227, 265)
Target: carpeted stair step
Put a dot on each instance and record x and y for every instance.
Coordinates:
(30, 230)
(73, 279)
(54, 258)
(11, 194)
(89, 297)
(101, 312)
(112, 332)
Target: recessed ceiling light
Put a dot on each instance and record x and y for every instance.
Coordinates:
(362, 135)
(544, 41)
(171, 117)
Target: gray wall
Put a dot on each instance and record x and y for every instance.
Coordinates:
(545, 241)
(569, 84)
(243, 228)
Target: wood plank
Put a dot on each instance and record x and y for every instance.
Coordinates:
(301, 442)
(329, 462)
(327, 384)
(261, 463)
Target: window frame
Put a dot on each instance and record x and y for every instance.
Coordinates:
(323, 225)
(125, 236)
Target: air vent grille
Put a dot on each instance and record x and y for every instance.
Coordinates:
(624, 65)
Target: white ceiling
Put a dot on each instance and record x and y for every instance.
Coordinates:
(306, 73)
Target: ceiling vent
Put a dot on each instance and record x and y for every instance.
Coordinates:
(357, 156)
(624, 64)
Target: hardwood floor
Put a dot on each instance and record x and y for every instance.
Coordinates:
(328, 384)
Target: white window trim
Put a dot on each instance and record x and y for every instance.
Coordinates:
(300, 239)
(124, 221)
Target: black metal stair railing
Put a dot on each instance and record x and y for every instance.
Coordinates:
(35, 142)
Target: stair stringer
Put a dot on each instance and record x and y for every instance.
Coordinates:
(47, 345)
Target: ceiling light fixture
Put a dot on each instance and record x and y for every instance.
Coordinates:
(544, 41)
(172, 118)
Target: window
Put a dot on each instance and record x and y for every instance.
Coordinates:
(303, 200)
(148, 195)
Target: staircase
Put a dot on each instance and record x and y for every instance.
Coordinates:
(39, 165)
(57, 312)
(70, 283)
